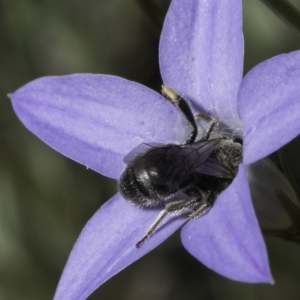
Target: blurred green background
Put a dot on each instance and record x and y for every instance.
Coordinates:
(45, 198)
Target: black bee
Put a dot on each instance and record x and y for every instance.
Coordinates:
(178, 178)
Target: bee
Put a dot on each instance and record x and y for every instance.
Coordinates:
(180, 178)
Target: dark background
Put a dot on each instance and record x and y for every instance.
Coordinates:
(45, 198)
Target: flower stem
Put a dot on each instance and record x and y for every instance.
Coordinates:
(288, 174)
(287, 12)
(291, 234)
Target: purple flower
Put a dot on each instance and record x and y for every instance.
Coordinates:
(98, 119)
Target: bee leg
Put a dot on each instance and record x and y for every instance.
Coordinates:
(181, 104)
(151, 229)
(204, 206)
(173, 207)
(213, 125)
(200, 211)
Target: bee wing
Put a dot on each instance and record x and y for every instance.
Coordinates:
(170, 165)
(206, 163)
(186, 159)
(140, 150)
(213, 167)
(200, 152)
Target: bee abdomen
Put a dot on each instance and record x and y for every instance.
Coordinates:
(131, 189)
(139, 190)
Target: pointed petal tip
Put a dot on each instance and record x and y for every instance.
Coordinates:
(201, 53)
(268, 103)
(262, 275)
(230, 238)
(96, 119)
(93, 261)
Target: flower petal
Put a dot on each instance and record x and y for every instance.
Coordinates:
(269, 105)
(106, 245)
(96, 119)
(201, 53)
(228, 239)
